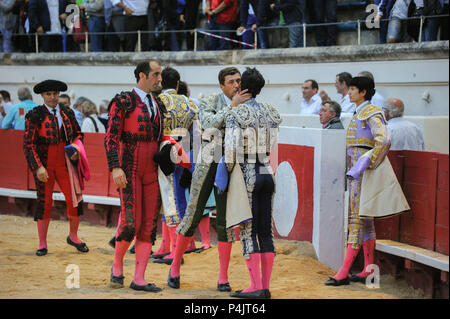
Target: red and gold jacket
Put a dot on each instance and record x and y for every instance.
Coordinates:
(130, 122)
(41, 131)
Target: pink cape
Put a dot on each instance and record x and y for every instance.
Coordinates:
(79, 173)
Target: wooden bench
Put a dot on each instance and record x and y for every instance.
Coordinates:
(420, 255)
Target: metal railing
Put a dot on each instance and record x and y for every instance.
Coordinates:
(360, 25)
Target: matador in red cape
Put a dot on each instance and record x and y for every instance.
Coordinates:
(132, 140)
(49, 128)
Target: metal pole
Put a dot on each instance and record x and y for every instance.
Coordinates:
(195, 40)
(139, 40)
(36, 41)
(256, 39)
(359, 32)
(420, 29)
(304, 35)
(86, 42)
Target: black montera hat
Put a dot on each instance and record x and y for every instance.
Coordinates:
(50, 85)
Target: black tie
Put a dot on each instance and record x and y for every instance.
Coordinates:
(56, 121)
(150, 106)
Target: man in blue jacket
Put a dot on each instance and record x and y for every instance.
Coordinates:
(47, 17)
(15, 118)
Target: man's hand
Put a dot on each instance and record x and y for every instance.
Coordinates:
(378, 18)
(240, 98)
(241, 29)
(324, 96)
(119, 177)
(254, 27)
(128, 11)
(40, 29)
(42, 174)
(2, 110)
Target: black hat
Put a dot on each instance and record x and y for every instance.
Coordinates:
(50, 85)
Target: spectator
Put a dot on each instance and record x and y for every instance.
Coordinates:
(154, 21)
(294, 15)
(384, 10)
(405, 135)
(135, 19)
(103, 113)
(311, 101)
(91, 123)
(270, 18)
(191, 16)
(15, 118)
(77, 109)
(250, 20)
(8, 21)
(64, 100)
(222, 15)
(174, 11)
(342, 82)
(444, 20)
(114, 22)
(324, 11)
(47, 17)
(329, 115)
(96, 22)
(5, 104)
(377, 99)
(183, 89)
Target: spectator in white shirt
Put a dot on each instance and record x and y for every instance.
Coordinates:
(342, 81)
(405, 135)
(377, 99)
(311, 101)
(91, 123)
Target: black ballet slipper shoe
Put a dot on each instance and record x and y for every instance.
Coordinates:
(159, 256)
(147, 287)
(191, 251)
(167, 261)
(224, 287)
(112, 242)
(201, 249)
(257, 294)
(116, 281)
(335, 282)
(41, 252)
(80, 247)
(355, 278)
(173, 282)
(267, 294)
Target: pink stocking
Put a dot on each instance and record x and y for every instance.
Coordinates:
(74, 222)
(143, 250)
(266, 269)
(254, 272)
(42, 226)
(119, 253)
(224, 249)
(165, 243)
(204, 231)
(181, 245)
(348, 262)
(173, 241)
(369, 250)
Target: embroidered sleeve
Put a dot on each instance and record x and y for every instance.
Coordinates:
(112, 137)
(232, 136)
(212, 112)
(382, 139)
(76, 130)
(29, 142)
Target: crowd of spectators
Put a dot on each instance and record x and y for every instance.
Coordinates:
(113, 24)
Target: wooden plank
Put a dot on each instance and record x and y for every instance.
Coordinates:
(420, 255)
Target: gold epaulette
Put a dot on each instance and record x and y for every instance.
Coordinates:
(368, 111)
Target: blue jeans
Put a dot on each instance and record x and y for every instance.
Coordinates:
(96, 24)
(295, 35)
(214, 44)
(249, 36)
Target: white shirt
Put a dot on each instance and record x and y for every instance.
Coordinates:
(89, 127)
(58, 114)
(313, 107)
(139, 7)
(227, 100)
(377, 100)
(346, 105)
(53, 10)
(150, 104)
(405, 135)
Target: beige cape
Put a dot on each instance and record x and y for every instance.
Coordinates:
(238, 206)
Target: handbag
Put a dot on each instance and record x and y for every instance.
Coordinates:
(238, 208)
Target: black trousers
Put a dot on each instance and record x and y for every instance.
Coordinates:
(191, 15)
(135, 23)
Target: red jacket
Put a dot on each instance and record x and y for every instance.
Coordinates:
(229, 15)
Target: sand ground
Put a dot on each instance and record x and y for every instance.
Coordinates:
(296, 272)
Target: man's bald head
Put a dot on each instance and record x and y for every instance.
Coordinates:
(394, 108)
